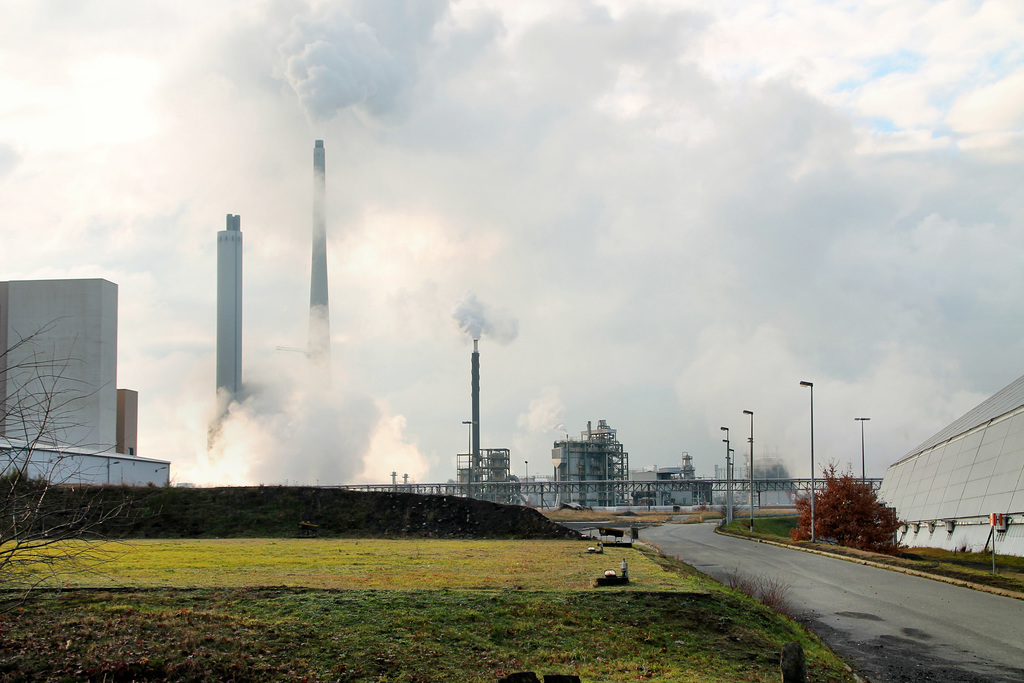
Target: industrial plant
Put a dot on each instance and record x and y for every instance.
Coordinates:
(481, 468)
(597, 456)
(63, 418)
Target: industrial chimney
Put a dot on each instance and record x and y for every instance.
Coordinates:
(319, 310)
(475, 378)
(229, 307)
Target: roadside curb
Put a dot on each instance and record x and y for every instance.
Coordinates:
(870, 563)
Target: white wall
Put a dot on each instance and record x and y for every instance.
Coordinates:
(72, 467)
(75, 355)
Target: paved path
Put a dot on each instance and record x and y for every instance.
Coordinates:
(892, 627)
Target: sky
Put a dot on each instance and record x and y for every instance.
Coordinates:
(661, 214)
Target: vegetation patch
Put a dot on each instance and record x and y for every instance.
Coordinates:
(370, 563)
(670, 624)
(290, 511)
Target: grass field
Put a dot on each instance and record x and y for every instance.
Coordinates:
(418, 610)
(373, 563)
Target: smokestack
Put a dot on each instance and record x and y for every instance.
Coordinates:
(319, 310)
(476, 407)
(229, 306)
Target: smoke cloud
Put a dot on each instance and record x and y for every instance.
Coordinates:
(477, 319)
(369, 58)
(293, 430)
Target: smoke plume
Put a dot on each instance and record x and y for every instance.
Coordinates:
(477, 319)
(289, 429)
(368, 58)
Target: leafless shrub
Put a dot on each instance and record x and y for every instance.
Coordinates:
(771, 591)
(46, 523)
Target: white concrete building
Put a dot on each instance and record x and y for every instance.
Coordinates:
(60, 416)
(947, 488)
(58, 379)
(73, 466)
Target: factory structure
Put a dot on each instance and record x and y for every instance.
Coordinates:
(596, 456)
(229, 291)
(62, 417)
(964, 486)
(481, 467)
(229, 308)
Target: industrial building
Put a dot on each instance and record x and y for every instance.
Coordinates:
(596, 456)
(229, 307)
(62, 416)
(481, 467)
(947, 490)
(683, 487)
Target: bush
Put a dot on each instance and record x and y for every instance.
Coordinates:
(847, 512)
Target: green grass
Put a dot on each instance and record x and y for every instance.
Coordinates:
(397, 611)
(769, 526)
(371, 563)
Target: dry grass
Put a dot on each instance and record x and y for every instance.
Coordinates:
(375, 563)
(635, 516)
(768, 590)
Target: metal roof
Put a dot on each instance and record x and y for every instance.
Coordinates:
(1004, 401)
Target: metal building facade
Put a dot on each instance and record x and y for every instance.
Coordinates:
(596, 456)
(946, 489)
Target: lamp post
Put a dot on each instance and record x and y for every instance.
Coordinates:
(751, 414)
(109, 463)
(728, 477)
(810, 385)
(730, 464)
(863, 468)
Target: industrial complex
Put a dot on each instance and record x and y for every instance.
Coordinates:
(961, 489)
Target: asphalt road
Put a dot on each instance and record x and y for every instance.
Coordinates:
(891, 627)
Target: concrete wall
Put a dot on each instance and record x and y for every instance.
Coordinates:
(68, 467)
(973, 535)
(70, 357)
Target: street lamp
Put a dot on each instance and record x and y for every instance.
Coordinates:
(751, 414)
(810, 385)
(863, 469)
(109, 463)
(527, 470)
(728, 478)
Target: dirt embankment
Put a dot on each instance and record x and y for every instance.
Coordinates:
(277, 511)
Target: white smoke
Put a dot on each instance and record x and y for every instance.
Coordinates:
(9, 159)
(292, 430)
(367, 58)
(477, 319)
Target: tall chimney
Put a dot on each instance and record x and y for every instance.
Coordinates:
(476, 410)
(229, 307)
(319, 310)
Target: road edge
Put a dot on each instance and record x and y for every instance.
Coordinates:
(870, 563)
